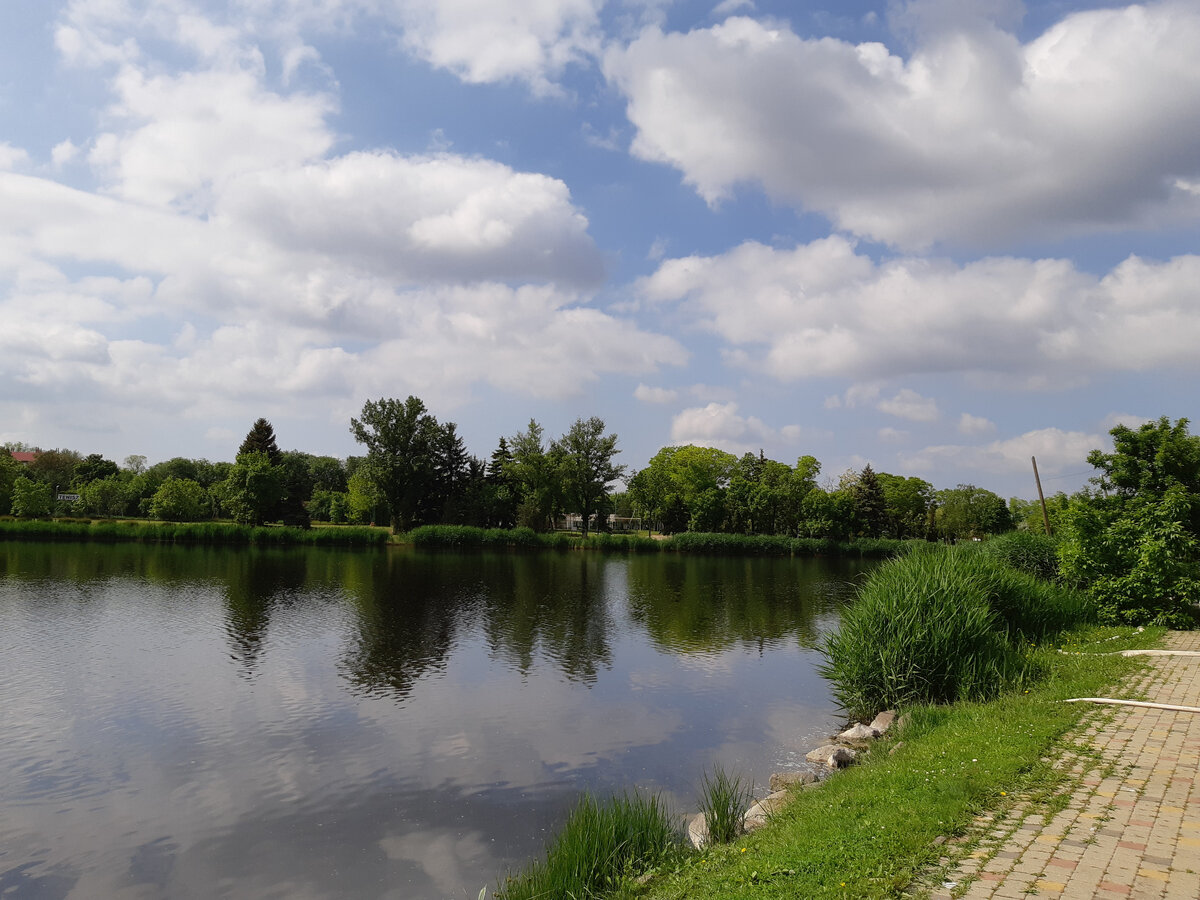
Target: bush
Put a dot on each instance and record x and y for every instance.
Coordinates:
(938, 625)
(1026, 551)
(601, 844)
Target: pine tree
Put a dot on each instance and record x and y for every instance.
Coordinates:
(261, 439)
(870, 503)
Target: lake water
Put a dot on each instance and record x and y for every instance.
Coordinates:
(213, 722)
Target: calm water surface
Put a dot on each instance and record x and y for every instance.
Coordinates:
(200, 722)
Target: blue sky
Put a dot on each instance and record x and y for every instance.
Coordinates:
(939, 236)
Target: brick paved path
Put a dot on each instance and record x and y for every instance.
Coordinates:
(1130, 826)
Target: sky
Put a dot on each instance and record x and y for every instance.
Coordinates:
(938, 236)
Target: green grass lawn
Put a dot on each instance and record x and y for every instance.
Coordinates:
(870, 830)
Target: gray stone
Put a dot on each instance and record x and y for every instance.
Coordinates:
(760, 813)
(896, 747)
(783, 780)
(859, 733)
(832, 755)
(884, 720)
(697, 831)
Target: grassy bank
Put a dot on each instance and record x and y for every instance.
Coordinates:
(187, 533)
(966, 645)
(868, 831)
(459, 536)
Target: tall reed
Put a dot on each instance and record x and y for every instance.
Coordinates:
(723, 800)
(601, 844)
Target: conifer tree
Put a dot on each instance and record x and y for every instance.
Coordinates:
(261, 439)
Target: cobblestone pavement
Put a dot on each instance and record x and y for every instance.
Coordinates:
(1130, 826)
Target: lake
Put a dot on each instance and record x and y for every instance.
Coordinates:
(306, 723)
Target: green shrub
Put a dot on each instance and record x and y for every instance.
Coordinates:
(1026, 551)
(926, 629)
(601, 844)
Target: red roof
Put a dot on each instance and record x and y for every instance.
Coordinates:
(25, 457)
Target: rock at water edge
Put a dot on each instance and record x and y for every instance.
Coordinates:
(859, 733)
(832, 755)
(758, 815)
(697, 831)
(884, 720)
(783, 780)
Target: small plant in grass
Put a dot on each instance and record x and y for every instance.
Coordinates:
(723, 800)
(601, 844)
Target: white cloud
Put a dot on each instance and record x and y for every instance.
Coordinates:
(648, 394)
(726, 7)
(258, 267)
(11, 157)
(892, 435)
(499, 40)
(972, 138)
(908, 404)
(975, 425)
(719, 425)
(1055, 449)
(63, 152)
(1112, 420)
(822, 309)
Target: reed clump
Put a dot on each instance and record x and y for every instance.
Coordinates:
(602, 844)
(187, 533)
(940, 625)
(723, 800)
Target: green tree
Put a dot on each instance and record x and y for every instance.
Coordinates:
(261, 439)
(1132, 543)
(910, 505)
(535, 470)
(252, 489)
(968, 511)
(55, 468)
(107, 496)
(587, 466)
(92, 467)
(31, 498)
(179, 500)
(10, 470)
(501, 494)
(399, 437)
(870, 503)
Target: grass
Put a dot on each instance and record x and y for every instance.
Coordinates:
(942, 624)
(461, 536)
(724, 800)
(869, 831)
(602, 845)
(186, 533)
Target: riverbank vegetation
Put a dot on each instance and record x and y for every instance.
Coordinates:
(967, 646)
(187, 533)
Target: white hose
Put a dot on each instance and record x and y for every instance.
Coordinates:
(1142, 703)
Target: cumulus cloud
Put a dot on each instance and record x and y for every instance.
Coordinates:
(499, 40)
(1129, 420)
(824, 309)
(648, 394)
(11, 157)
(256, 265)
(972, 138)
(908, 404)
(975, 425)
(1055, 449)
(720, 425)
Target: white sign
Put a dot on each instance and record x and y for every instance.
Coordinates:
(70, 498)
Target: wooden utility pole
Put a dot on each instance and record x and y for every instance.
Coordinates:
(1041, 496)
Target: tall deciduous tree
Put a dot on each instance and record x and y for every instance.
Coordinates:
(535, 469)
(587, 466)
(399, 437)
(253, 488)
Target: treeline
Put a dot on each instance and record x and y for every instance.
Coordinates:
(416, 471)
(708, 490)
